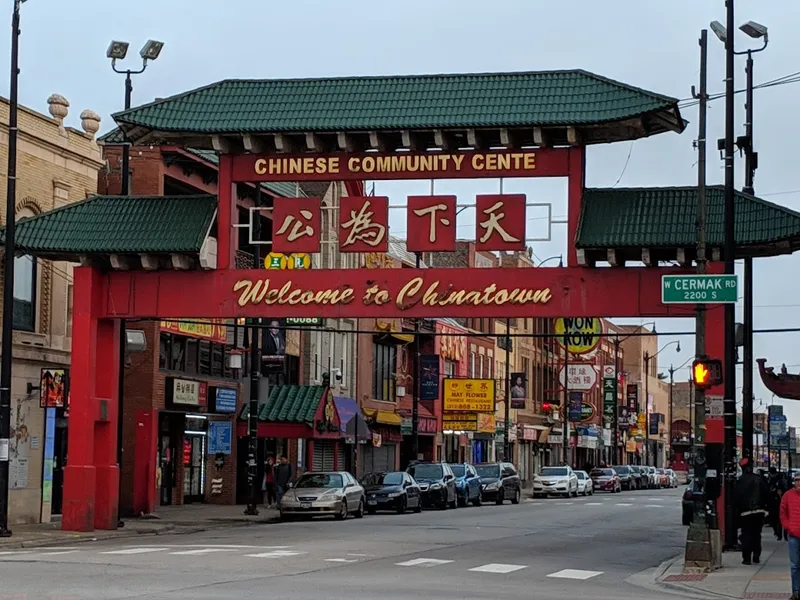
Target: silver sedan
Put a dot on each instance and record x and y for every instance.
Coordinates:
(335, 494)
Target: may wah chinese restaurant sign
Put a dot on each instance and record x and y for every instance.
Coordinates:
(344, 166)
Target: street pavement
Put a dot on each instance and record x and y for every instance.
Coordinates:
(557, 548)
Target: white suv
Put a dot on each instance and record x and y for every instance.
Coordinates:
(555, 481)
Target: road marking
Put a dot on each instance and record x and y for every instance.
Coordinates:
(341, 560)
(575, 574)
(567, 503)
(42, 554)
(135, 551)
(654, 506)
(423, 562)
(275, 554)
(14, 552)
(201, 551)
(656, 499)
(354, 554)
(57, 548)
(623, 504)
(231, 546)
(498, 568)
(594, 504)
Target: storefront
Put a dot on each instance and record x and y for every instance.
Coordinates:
(526, 460)
(355, 431)
(430, 447)
(381, 452)
(587, 447)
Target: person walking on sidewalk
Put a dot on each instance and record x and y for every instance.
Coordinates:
(269, 482)
(283, 475)
(777, 487)
(790, 519)
(751, 496)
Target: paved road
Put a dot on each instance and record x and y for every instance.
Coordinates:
(584, 547)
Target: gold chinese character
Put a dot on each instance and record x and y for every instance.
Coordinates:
(492, 224)
(297, 230)
(432, 210)
(362, 227)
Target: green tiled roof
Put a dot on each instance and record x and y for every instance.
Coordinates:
(548, 98)
(667, 218)
(292, 403)
(119, 225)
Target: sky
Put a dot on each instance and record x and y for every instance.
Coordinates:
(640, 43)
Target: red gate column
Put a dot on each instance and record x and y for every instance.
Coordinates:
(226, 214)
(575, 184)
(91, 477)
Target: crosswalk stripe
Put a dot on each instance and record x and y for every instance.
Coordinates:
(623, 504)
(341, 560)
(654, 506)
(594, 504)
(201, 551)
(59, 553)
(423, 562)
(14, 552)
(275, 554)
(498, 568)
(135, 551)
(575, 574)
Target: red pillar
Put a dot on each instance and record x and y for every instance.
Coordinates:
(91, 477)
(226, 214)
(575, 184)
(145, 465)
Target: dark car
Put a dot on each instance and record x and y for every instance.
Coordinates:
(640, 479)
(391, 491)
(468, 484)
(437, 484)
(499, 482)
(606, 480)
(628, 479)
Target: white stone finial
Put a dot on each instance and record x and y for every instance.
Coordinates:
(59, 107)
(90, 121)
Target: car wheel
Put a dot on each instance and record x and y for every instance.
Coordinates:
(418, 506)
(462, 500)
(360, 512)
(516, 498)
(575, 493)
(285, 517)
(455, 503)
(591, 492)
(342, 515)
(478, 500)
(401, 510)
(500, 497)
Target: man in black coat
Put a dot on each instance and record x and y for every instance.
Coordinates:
(751, 498)
(283, 475)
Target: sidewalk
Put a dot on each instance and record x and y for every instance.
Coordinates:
(166, 520)
(766, 581)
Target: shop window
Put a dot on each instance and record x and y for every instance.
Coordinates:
(177, 361)
(217, 360)
(450, 367)
(191, 356)
(164, 350)
(25, 293)
(384, 362)
(204, 358)
(482, 366)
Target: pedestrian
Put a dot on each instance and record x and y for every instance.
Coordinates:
(268, 487)
(776, 490)
(790, 520)
(283, 475)
(751, 497)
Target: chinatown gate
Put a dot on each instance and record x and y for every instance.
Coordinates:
(351, 130)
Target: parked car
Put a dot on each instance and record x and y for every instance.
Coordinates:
(335, 493)
(468, 484)
(653, 479)
(673, 478)
(585, 483)
(555, 480)
(639, 476)
(606, 480)
(437, 484)
(663, 479)
(627, 478)
(499, 482)
(396, 491)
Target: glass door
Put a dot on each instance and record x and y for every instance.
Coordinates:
(194, 467)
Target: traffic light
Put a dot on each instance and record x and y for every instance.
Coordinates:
(707, 372)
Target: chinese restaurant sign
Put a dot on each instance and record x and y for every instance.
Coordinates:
(343, 166)
(213, 330)
(460, 421)
(469, 395)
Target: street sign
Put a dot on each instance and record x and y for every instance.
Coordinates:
(715, 407)
(582, 377)
(582, 334)
(699, 289)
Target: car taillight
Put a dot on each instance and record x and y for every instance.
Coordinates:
(687, 495)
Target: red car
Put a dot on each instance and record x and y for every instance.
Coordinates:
(606, 480)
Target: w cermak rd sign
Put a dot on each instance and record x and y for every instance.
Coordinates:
(699, 289)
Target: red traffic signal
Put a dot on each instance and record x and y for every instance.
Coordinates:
(707, 372)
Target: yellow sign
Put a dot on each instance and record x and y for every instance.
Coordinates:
(486, 423)
(460, 426)
(459, 416)
(582, 333)
(469, 395)
(276, 260)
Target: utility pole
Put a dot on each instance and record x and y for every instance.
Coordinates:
(417, 377)
(8, 275)
(565, 427)
(255, 384)
(669, 430)
(615, 429)
(507, 416)
(647, 358)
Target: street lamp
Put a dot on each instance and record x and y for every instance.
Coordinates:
(8, 274)
(647, 358)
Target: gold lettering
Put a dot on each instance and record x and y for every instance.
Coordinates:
(354, 165)
(307, 297)
(503, 162)
(427, 163)
(491, 162)
(368, 164)
(294, 297)
(478, 162)
(517, 157)
(412, 163)
(530, 161)
(406, 296)
(308, 165)
(384, 164)
(398, 163)
(457, 160)
(321, 166)
(382, 297)
(443, 159)
(261, 167)
(295, 165)
(501, 297)
(252, 293)
(274, 166)
(333, 164)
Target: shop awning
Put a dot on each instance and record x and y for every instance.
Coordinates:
(351, 418)
(386, 417)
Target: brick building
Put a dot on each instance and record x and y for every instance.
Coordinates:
(57, 165)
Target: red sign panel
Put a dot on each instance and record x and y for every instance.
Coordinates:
(388, 293)
(431, 224)
(296, 225)
(344, 166)
(500, 222)
(364, 224)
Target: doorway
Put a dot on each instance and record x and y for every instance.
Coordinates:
(194, 466)
(59, 461)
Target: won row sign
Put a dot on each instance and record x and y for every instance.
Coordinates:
(430, 224)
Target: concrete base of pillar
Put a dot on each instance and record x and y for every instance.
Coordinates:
(703, 549)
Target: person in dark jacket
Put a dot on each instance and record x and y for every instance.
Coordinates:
(751, 498)
(776, 489)
(283, 475)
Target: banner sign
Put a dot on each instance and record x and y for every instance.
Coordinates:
(519, 391)
(469, 395)
(213, 330)
(632, 397)
(346, 166)
(429, 377)
(609, 392)
(575, 406)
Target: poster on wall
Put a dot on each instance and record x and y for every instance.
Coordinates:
(273, 348)
(429, 377)
(52, 388)
(519, 390)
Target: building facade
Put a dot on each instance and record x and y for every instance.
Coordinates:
(56, 165)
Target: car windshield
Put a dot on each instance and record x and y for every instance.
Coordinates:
(459, 470)
(622, 469)
(554, 472)
(320, 480)
(580, 474)
(383, 479)
(426, 471)
(602, 473)
(488, 471)
(660, 471)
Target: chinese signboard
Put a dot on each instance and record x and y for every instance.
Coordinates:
(609, 392)
(296, 225)
(185, 391)
(632, 397)
(431, 224)
(342, 166)
(220, 434)
(213, 330)
(580, 377)
(469, 395)
(582, 334)
(276, 260)
(500, 223)
(364, 224)
(460, 421)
